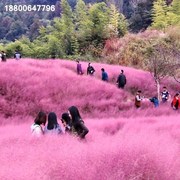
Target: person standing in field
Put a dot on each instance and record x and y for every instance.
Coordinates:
(104, 75)
(78, 126)
(66, 121)
(53, 127)
(36, 128)
(90, 69)
(17, 55)
(3, 56)
(79, 68)
(138, 99)
(165, 95)
(176, 102)
(121, 80)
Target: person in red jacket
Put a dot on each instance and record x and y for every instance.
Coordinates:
(176, 101)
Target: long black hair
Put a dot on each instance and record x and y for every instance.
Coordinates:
(41, 118)
(65, 117)
(74, 114)
(52, 121)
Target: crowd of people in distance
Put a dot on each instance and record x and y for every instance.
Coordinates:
(71, 120)
(165, 97)
(3, 57)
(121, 82)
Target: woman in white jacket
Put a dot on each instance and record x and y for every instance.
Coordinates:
(36, 128)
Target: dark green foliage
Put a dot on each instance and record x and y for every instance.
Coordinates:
(141, 17)
(15, 24)
(16, 30)
(79, 31)
(137, 14)
(165, 15)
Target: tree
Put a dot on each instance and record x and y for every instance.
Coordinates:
(176, 7)
(117, 23)
(16, 30)
(165, 15)
(82, 24)
(177, 75)
(54, 47)
(163, 61)
(99, 17)
(67, 26)
(33, 33)
(57, 11)
(175, 12)
(122, 25)
(159, 14)
(63, 28)
(80, 14)
(141, 18)
(113, 21)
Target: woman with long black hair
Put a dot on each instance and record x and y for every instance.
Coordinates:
(53, 127)
(77, 123)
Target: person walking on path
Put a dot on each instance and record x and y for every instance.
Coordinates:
(79, 68)
(90, 69)
(121, 80)
(104, 75)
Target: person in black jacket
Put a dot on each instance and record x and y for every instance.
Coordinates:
(90, 69)
(78, 126)
(3, 56)
(121, 81)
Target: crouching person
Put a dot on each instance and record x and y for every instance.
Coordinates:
(155, 101)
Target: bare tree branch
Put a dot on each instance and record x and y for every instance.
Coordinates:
(163, 61)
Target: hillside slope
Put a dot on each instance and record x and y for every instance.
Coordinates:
(28, 86)
(123, 143)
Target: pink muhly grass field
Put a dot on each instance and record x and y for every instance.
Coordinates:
(123, 143)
